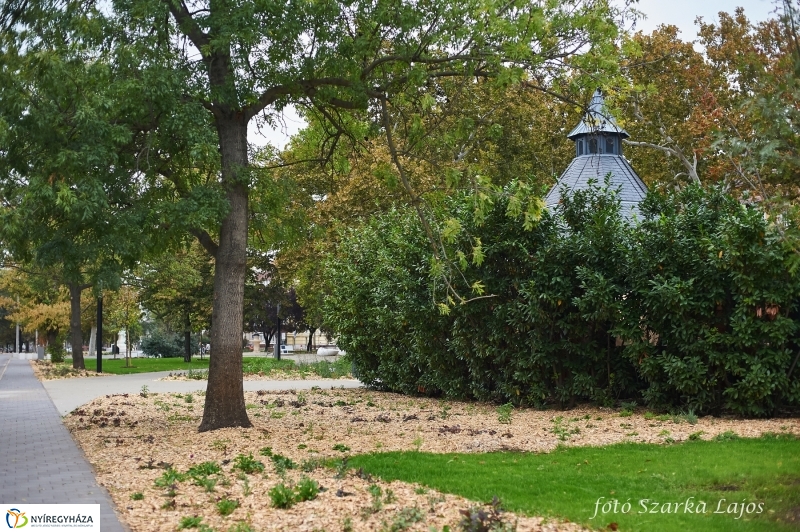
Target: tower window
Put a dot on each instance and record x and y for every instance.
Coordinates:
(611, 146)
(593, 145)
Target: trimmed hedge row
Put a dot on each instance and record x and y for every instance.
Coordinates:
(695, 307)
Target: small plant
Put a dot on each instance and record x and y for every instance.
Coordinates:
(728, 435)
(370, 403)
(445, 411)
(189, 398)
(227, 506)
(341, 447)
(306, 490)
(247, 464)
(390, 497)
(144, 392)
(417, 443)
(169, 478)
(690, 417)
(281, 496)
(282, 463)
(664, 433)
(420, 490)
(311, 464)
(241, 527)
(265, 451)
(190, 522)
(626, 413)
(504, 413)
(301, 399)
(341, 468)
(220, 445)
(347, 525)
(138, 496)
(478, 519)
(406, 518)
(563, 432)
(203, 470)
(377, 503)
(695, 436)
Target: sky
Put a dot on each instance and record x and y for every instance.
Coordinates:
(681, 13)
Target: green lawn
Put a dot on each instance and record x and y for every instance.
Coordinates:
(145, 365)
(573, 483)
(250, 365)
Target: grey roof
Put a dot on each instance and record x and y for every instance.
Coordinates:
(597, 119)
(624, 179)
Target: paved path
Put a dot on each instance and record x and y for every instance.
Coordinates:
(41, 462)
(68, 394)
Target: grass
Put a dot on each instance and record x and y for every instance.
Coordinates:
(573, 483)
(146, 365)
(250, 366)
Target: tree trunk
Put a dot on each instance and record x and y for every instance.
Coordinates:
(224, 406)
(93, 341)
(310, 338)
(76, 336)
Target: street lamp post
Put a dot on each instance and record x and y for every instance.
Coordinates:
(99, 340)
(278, 335)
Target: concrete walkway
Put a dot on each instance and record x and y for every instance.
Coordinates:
(41, 462)
(68, 394)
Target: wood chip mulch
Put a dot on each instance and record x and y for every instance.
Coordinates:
(132, 441)
(47, 371)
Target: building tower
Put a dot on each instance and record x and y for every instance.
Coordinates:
(598, 153)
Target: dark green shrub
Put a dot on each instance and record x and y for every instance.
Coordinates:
(381, 305)
(708, 322)
(56, 350)
(694, 309)
(163, 344)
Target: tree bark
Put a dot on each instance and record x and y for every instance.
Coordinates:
(311, 332)
(76, 336)
(93, 341)
(225, 406)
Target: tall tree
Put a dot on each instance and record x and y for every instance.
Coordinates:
(246, 60)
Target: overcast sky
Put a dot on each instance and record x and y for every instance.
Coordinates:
(681, 13)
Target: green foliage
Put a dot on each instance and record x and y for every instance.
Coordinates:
(56, 350)
(169, 478)
(227, 506)
(281, 496)
(247, 464)
(282, 463)
(189, 522)
(694, 308)
(137, 496)
(504, 413)
(162, 344)
(710, 320)
(306, 490)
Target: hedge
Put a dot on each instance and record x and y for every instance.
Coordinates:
(693, 307)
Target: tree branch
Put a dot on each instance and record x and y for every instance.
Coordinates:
(188, 24)
(206, 241)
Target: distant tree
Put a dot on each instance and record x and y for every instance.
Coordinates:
(177, 289)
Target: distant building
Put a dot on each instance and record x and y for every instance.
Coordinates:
(598, 153)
